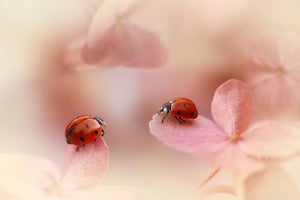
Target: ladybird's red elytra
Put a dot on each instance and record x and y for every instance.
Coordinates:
(84, 129)
(180, 108)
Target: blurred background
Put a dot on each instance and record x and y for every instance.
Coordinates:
(207, 43)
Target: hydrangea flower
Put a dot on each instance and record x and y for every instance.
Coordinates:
(30, 177)
(274, 73)
(230, 142)
(115, 39)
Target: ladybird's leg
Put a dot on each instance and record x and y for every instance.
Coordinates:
(164, 117)
(181, 119)
(79, 146)
(178, 119)
(102, 133)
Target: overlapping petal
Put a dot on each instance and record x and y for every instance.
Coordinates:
(277, 51)
(114, 40)
(84, 167)
(188, 137)
(274, 73)
(271, 140)
(272, 183)
(202, 138)
(232, 106)
(280, 99)
(27, 177)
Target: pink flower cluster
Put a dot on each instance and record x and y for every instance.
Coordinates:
(116, 39)
(230, 142)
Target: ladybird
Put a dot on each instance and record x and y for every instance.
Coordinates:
(180, 108)
(84, 129)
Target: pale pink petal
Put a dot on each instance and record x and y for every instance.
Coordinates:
(274, 96)
(271, 140)
(126, 45)
(187, 137)
(274, 73)
(232, 106)
(271, 183)
(277, 50)
(265, 53)
(202, 138)
(27, 177)
(105, 193)
(84, 167)
(107, 16)
(227, 154)
(114, 40)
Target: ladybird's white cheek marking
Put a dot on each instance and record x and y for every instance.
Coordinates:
(165, 109)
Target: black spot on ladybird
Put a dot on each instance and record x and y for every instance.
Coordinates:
(192, 114)
(87, 126)
(82, 139)
(178, 112)
(96, 132)
(184, 105)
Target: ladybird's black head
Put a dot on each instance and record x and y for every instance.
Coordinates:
(165, 108)
(69, 134)
(100, 121)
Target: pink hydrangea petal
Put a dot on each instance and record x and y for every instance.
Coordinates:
(265, 53)
(107, 16)
(227, 154)
(275, 65)
(85, 167)
(127, 45)
(105, 193)
(27, 177)
(274, 96)
(202, 138)
(277, 50)
(271, 183)
(271, 140)
(187, 137)
(232, 106)
(121, 43)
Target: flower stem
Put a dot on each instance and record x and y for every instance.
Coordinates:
(208, 178)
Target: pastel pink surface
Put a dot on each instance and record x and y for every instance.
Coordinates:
(26, 177)
(271, 140)
(202, 138)
(114, 40)
(232, 106)
(85, 167)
